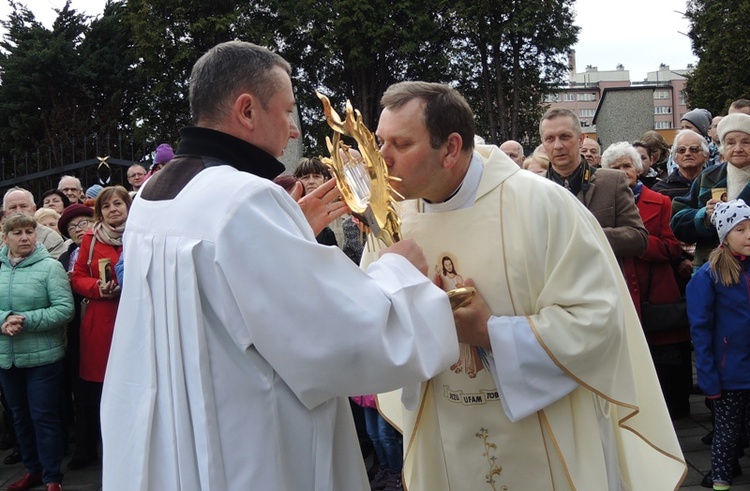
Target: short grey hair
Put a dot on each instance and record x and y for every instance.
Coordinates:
(227, 70)
(560, 112)
(28, 194)
(618, 150)
(78, 181)
(682, 133)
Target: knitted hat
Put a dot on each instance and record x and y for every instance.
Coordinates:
(93, 191)
(728, 215)
(164, 154)
(700, 118)
(72, 211)
(733, 122)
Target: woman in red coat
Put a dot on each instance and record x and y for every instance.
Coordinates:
(94, 279)
(651, 278)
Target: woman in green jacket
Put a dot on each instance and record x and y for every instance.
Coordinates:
(35, 304)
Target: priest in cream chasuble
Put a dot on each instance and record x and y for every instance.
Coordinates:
(567, 398)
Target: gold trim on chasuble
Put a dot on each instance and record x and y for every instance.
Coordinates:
(440, 388)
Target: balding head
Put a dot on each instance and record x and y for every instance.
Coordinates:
(591, 151)
(18, 200)
(514, 150)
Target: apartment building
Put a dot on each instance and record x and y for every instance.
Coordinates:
(585, 91)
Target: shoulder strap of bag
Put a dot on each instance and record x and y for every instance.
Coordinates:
(91, 254)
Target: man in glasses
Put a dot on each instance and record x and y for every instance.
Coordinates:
(72, 188)
(136, 176)
(690, 153)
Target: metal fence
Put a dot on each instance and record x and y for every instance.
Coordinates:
(42, 168)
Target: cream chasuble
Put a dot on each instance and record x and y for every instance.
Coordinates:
(541, 262)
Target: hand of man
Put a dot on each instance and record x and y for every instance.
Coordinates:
(411, 251)
(471, 320)
(321, 206)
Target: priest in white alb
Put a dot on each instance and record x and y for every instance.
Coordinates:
(238, 336)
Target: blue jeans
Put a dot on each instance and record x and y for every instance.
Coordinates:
(386, 440)
(33, 395)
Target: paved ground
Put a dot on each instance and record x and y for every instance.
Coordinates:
(88, 479)
(689, 431)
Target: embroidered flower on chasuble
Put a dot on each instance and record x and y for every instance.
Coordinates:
(495, 469)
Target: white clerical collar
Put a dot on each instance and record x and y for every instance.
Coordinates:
(466, 194)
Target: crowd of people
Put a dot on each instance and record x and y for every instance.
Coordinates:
(690, 264)
(223, 341)
(57, 267)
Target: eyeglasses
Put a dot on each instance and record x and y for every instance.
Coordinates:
(70, 190)
(691, 148)
(80, 225)
(139, 174)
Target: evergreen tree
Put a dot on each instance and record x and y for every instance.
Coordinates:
(42, 98)
(111, 80)
(513, 53)
(355, 49)
(719, 32)
(169, 36)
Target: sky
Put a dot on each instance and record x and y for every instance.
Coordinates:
(640, 34)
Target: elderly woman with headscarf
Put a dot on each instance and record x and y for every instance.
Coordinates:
(650, 278)
(691, 214)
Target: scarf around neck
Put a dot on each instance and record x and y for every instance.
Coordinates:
(637, 189)
(108, 234)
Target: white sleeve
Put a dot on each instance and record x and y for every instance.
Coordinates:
(526, 377)
(326, 327)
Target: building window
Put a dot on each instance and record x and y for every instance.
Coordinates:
(552, 98)
(683, 98)
(662, 125)
(661, 94)
(587, 97)
(587, 113)
(570, 97)
(663, 110)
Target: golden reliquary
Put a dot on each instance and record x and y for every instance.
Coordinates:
(362, 177)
